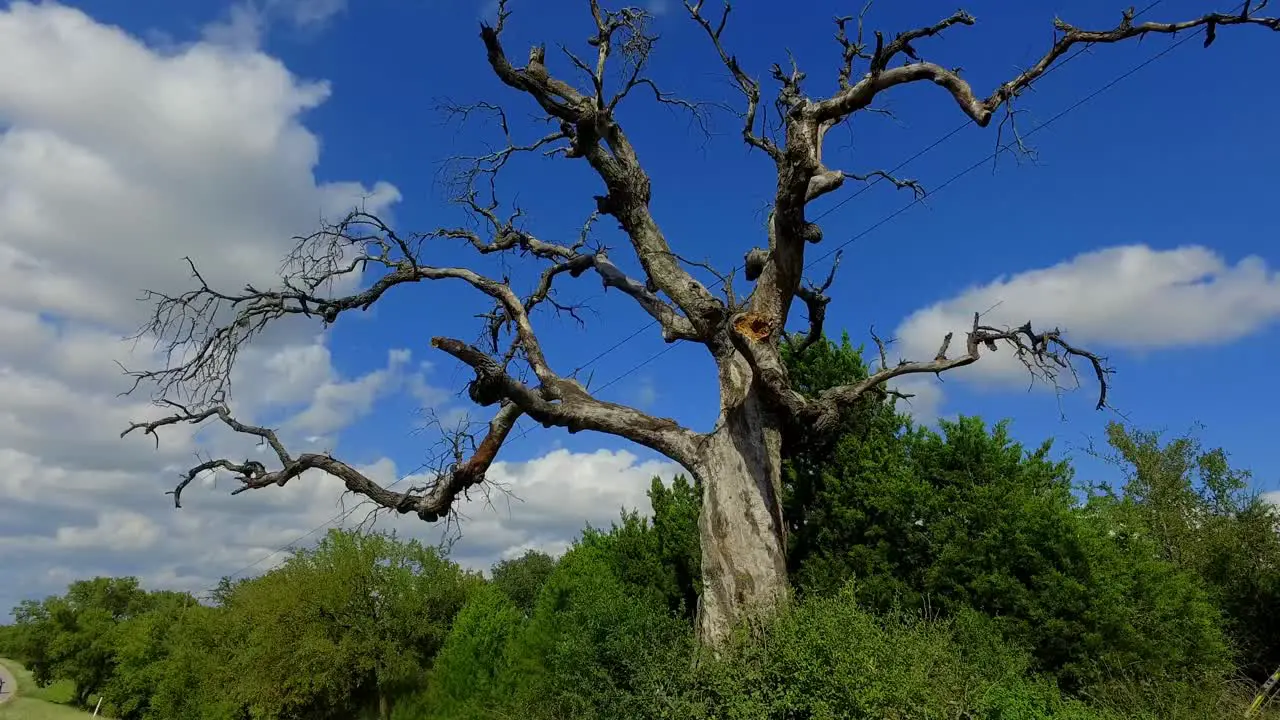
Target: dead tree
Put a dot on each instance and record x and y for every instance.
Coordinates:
(738, 463)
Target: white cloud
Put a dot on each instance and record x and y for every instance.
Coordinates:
(336, 403)
(1132, 298)
(119, 530)
(545, 503)
(116, 160)
(247, 23)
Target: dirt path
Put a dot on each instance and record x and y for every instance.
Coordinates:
(10, 685)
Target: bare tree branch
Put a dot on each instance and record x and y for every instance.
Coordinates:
(816, 300)
(574, 260)
(564, 402)
(594, 134)
(881, 76)
(748, 86)
(1045, 355)
(851, 48)
(900, 183)
(430, 503)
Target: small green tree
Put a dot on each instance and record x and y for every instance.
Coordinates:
(470, 675)
(72, 636)
(522, 578)
(348, 625)
(1202, 515)
(659, 556)
(141, 649)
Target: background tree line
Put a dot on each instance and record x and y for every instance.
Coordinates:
(949, 573)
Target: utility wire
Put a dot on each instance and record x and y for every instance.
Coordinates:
(875, 226)
(849, 198)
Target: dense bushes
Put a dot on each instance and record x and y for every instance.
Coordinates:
(966, 518)
(948, 573)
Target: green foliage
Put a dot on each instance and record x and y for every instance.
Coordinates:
(593, 647)
(662, 557)
(865, 448)
(827, 658)
(342, 627)
(522, 578)
(471, 673)
(73, 637)
(966, 518)
(1199, 514)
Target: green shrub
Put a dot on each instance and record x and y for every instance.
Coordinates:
(826, 658)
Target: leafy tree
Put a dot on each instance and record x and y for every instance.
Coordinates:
(829, 658)
(522, 578)
(1201, 515)
(197, 678)
(470, 675)
(345, 626)
(72, 636)
(660, 556)
(823, 473)
(969, 519)
(743, 332)
(141, 646)
(594, 648)
(675, 523)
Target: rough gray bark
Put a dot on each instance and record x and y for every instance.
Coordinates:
(739, 461)
(739, 466)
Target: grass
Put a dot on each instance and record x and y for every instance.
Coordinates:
(37, 703)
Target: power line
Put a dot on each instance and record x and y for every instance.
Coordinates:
(846, 200)
(878, 224)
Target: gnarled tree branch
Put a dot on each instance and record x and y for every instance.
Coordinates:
(430, 503)
(595, 134)
(880, 77)
(747, 85)
(816, 300)
(1045, 355)
(564, 402)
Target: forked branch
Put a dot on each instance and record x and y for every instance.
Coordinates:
(881, 77)
(747, 85)
(816, 300)
(595, 135)
(1045, 355)
(430, 503)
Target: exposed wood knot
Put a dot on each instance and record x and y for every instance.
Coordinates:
(607, 205)
(485, 390)
(812, 233)
(754, 264)
(753, 325)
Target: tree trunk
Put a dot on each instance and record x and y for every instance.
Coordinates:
(744, 568)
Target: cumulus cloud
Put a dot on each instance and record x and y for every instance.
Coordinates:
(543, 504)
(1130, 298)
(118, 158)
(247, 23)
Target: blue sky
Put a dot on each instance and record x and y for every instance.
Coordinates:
(1143, 228)
(1149, 162)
